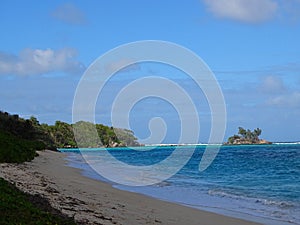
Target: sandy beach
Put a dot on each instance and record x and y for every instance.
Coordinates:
(93, 202)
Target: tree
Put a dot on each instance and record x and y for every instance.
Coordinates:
(126, 137)
(242, 132)
(34, 121)
(257, 132)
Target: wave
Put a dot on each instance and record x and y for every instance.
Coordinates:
(281, 204)
(286, 143)
(267, 202)
(164, 184)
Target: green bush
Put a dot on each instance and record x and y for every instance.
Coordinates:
(20, 208)
(14, 149)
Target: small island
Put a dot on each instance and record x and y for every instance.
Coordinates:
(247, 137)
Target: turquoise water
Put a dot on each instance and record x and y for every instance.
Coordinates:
(260, 183)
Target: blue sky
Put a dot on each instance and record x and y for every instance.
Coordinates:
(252, 46)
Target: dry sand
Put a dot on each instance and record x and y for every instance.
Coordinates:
(92, 202)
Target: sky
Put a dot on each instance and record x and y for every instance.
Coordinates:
(251, 46)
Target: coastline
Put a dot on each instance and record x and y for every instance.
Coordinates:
(91, 201)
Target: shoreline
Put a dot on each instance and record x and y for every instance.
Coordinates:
(92, 201)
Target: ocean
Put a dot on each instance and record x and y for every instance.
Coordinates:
(254, 182)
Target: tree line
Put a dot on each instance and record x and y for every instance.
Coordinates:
(19, 135)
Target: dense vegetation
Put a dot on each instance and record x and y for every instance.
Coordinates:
(247, 137)
(16, 150)
(20, 138)
(62, 135)
(17, 207)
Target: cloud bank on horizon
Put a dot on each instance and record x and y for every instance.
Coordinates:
(251, 45)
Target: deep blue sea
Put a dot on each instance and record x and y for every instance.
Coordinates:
(258, 183)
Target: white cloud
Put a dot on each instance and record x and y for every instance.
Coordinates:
(248, 11)
(69, 13)
(288, 100)
(272, 84)
(38, 61)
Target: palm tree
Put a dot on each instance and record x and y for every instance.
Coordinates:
(242, 132)
(257, 132)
